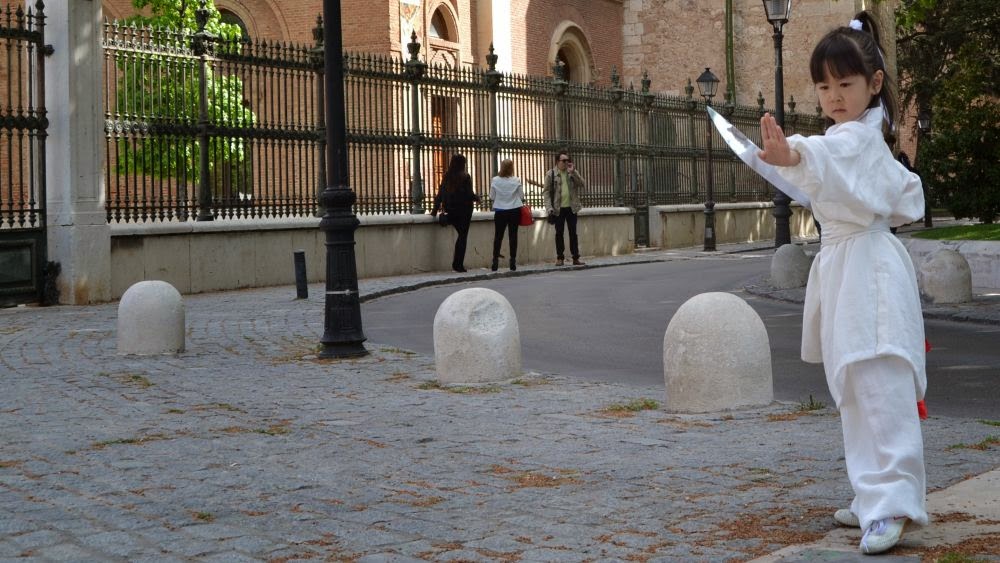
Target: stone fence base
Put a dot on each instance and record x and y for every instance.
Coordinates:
(681, 226)
(983, 257)
(232, 254)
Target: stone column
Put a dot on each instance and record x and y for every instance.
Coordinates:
(78, 235)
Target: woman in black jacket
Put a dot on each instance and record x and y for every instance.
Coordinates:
(455, 198)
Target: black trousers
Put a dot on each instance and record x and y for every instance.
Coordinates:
(568, 218)
(509, 220)
(461, 221)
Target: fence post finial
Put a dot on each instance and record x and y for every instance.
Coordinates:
(201, 16)
(760, 101)
(413, 47)
(318, 31)
(559, 70)
(491, 59)
(646, 82)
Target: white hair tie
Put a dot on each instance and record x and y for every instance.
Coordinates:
(855, 24)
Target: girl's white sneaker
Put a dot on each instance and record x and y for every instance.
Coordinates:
(883, 534)
(845, 517)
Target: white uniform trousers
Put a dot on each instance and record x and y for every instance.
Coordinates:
(883, 445)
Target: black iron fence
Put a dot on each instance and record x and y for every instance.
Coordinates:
(22, 117)
(23, 125)
(200, 128)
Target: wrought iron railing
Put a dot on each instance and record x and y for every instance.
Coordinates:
(23, 120)
(198, 128)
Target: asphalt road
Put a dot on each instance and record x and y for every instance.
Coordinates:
(608, 324)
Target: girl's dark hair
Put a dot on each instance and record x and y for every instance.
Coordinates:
(455, 174)
(846, 52)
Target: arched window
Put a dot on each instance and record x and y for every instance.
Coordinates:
(232, 19)
(439, 27)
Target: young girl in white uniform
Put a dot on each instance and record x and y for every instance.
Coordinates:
(862, 316)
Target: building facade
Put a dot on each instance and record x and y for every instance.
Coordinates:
(527, 35)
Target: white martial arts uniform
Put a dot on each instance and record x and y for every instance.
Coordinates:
(862, 316)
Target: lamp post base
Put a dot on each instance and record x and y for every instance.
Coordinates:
(342, 350)
(782, 213)
(709, 227)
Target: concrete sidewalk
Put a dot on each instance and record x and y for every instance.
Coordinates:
(248, 448)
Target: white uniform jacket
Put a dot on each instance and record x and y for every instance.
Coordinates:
(862, 300)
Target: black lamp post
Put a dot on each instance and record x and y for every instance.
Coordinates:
(707, 84)
(777, 13)
(924, 129)
(342, 333)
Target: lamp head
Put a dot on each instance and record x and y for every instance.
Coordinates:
(707, 84)
(777, 10)
(924, 121)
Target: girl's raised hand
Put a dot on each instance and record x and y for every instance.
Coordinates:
(776, 150)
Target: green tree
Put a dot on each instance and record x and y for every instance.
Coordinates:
(163, 86)
(949, 52)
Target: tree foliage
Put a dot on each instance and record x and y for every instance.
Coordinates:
(166, 88)
(949, 52)
(182, 14)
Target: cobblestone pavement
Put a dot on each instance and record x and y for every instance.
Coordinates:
(246, 447)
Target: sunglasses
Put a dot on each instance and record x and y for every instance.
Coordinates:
(565, 160)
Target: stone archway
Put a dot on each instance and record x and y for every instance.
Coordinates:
(570, 46)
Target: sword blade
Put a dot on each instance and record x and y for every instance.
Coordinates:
(747, 151)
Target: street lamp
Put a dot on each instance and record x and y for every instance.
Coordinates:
(777, 13)
(342, 333)
(924, 121)
(707, 84)
(924, 129)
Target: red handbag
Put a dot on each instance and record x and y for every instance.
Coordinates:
(526, 219)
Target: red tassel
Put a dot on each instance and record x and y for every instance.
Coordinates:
(921, 407)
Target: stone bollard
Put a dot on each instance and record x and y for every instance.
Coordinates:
(945, 277)
(716, 356)
(151, 319)
(790, 267)
(476, 338)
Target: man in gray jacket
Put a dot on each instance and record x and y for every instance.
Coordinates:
(562, 199)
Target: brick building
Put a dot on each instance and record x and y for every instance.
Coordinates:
(674, 40)
(527, 34)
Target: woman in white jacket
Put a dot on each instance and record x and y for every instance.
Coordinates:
(507, 195)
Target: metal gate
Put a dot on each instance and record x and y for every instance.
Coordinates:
(23, 126)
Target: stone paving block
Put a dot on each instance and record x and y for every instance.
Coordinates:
(156, 557)
(551, 555)
(389, 558)
(69, 552)
(464, 556)
(252, 544)
(38, 538)
(212, 532)
(229, 557)
(11, 525)
(117, 543)
(837, 556)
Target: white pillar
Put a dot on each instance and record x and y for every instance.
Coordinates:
(502, 45)
(78, 234)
